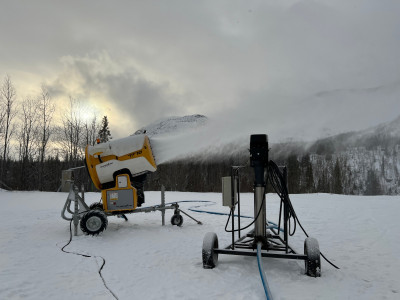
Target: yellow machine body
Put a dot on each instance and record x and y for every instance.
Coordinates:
(122, 197)
(131, 155)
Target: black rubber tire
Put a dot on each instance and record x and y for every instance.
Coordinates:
(210, 257)
(177, 220)
(313, 261)
(93, 222)
(96, 205)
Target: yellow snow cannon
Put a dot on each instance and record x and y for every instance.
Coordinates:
(118, 168)
(131, 155)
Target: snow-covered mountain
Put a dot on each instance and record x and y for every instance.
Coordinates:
(384, 135)
(173, 125)
(366, 162)
(369, 160)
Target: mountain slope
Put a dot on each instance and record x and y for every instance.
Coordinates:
(363, 162)
(369, 160)
(384, 135)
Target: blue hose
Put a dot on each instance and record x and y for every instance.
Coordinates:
(259, 244)
(262, 273)
(275, 226)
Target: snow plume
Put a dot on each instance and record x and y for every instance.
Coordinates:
(219, 137)
(203, 142)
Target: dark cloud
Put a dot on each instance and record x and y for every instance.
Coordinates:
(294, 67)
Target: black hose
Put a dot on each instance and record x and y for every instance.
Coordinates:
(87, 256)
(247, 226)
(278, 183)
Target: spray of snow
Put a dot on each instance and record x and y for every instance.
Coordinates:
(202, 141)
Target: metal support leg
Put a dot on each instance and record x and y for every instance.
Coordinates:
(79, 207)
(285, 213)
(197, 221)
(76, 213)
(163, 205)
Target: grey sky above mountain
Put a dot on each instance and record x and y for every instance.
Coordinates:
(286, 68)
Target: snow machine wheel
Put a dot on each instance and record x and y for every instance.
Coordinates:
(313, 261)
(96, 205)
(93, 222)
(177, 220)
(210, 257)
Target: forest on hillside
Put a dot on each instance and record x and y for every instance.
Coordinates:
(355, 171)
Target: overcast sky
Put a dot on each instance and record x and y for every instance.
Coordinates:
(285, 68)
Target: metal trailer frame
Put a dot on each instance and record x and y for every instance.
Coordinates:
(80, 207)
(274, 245)
(263, 237)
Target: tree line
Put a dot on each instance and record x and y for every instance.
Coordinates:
(307, 173)
(34, 147)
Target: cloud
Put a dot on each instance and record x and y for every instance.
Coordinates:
(267, 66)
(118, 89)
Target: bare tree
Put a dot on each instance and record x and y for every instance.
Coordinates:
(2, 118)
(28, 131)
(27, 138)
(7, 95)
(70, 134)
(46, 110)
(90, 130)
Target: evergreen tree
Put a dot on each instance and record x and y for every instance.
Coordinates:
(294, 174)
(373, 185)
(307, 177)
(337, 179)
(323, 184)
(104, 132)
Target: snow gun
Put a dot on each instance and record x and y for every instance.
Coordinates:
(118, 168)
(268, 238)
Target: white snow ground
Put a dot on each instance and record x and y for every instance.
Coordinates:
(147, 261)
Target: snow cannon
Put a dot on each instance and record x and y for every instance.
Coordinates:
(118, 168)
(270, 239)
(131, 155)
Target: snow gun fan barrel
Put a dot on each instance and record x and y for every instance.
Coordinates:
(131, 155)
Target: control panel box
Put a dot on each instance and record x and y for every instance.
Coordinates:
(229, 194)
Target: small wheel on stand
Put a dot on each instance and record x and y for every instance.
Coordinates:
(210, 257)
(93, 222)
(313, 261)
(177, 220)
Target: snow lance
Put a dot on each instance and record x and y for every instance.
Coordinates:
(268, 238)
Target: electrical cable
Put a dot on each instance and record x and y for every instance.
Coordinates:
(281, 189)
(88, 256)
(273, 170)
(262, 273)
(247, 226)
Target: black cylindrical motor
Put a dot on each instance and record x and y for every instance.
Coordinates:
(259, 161)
